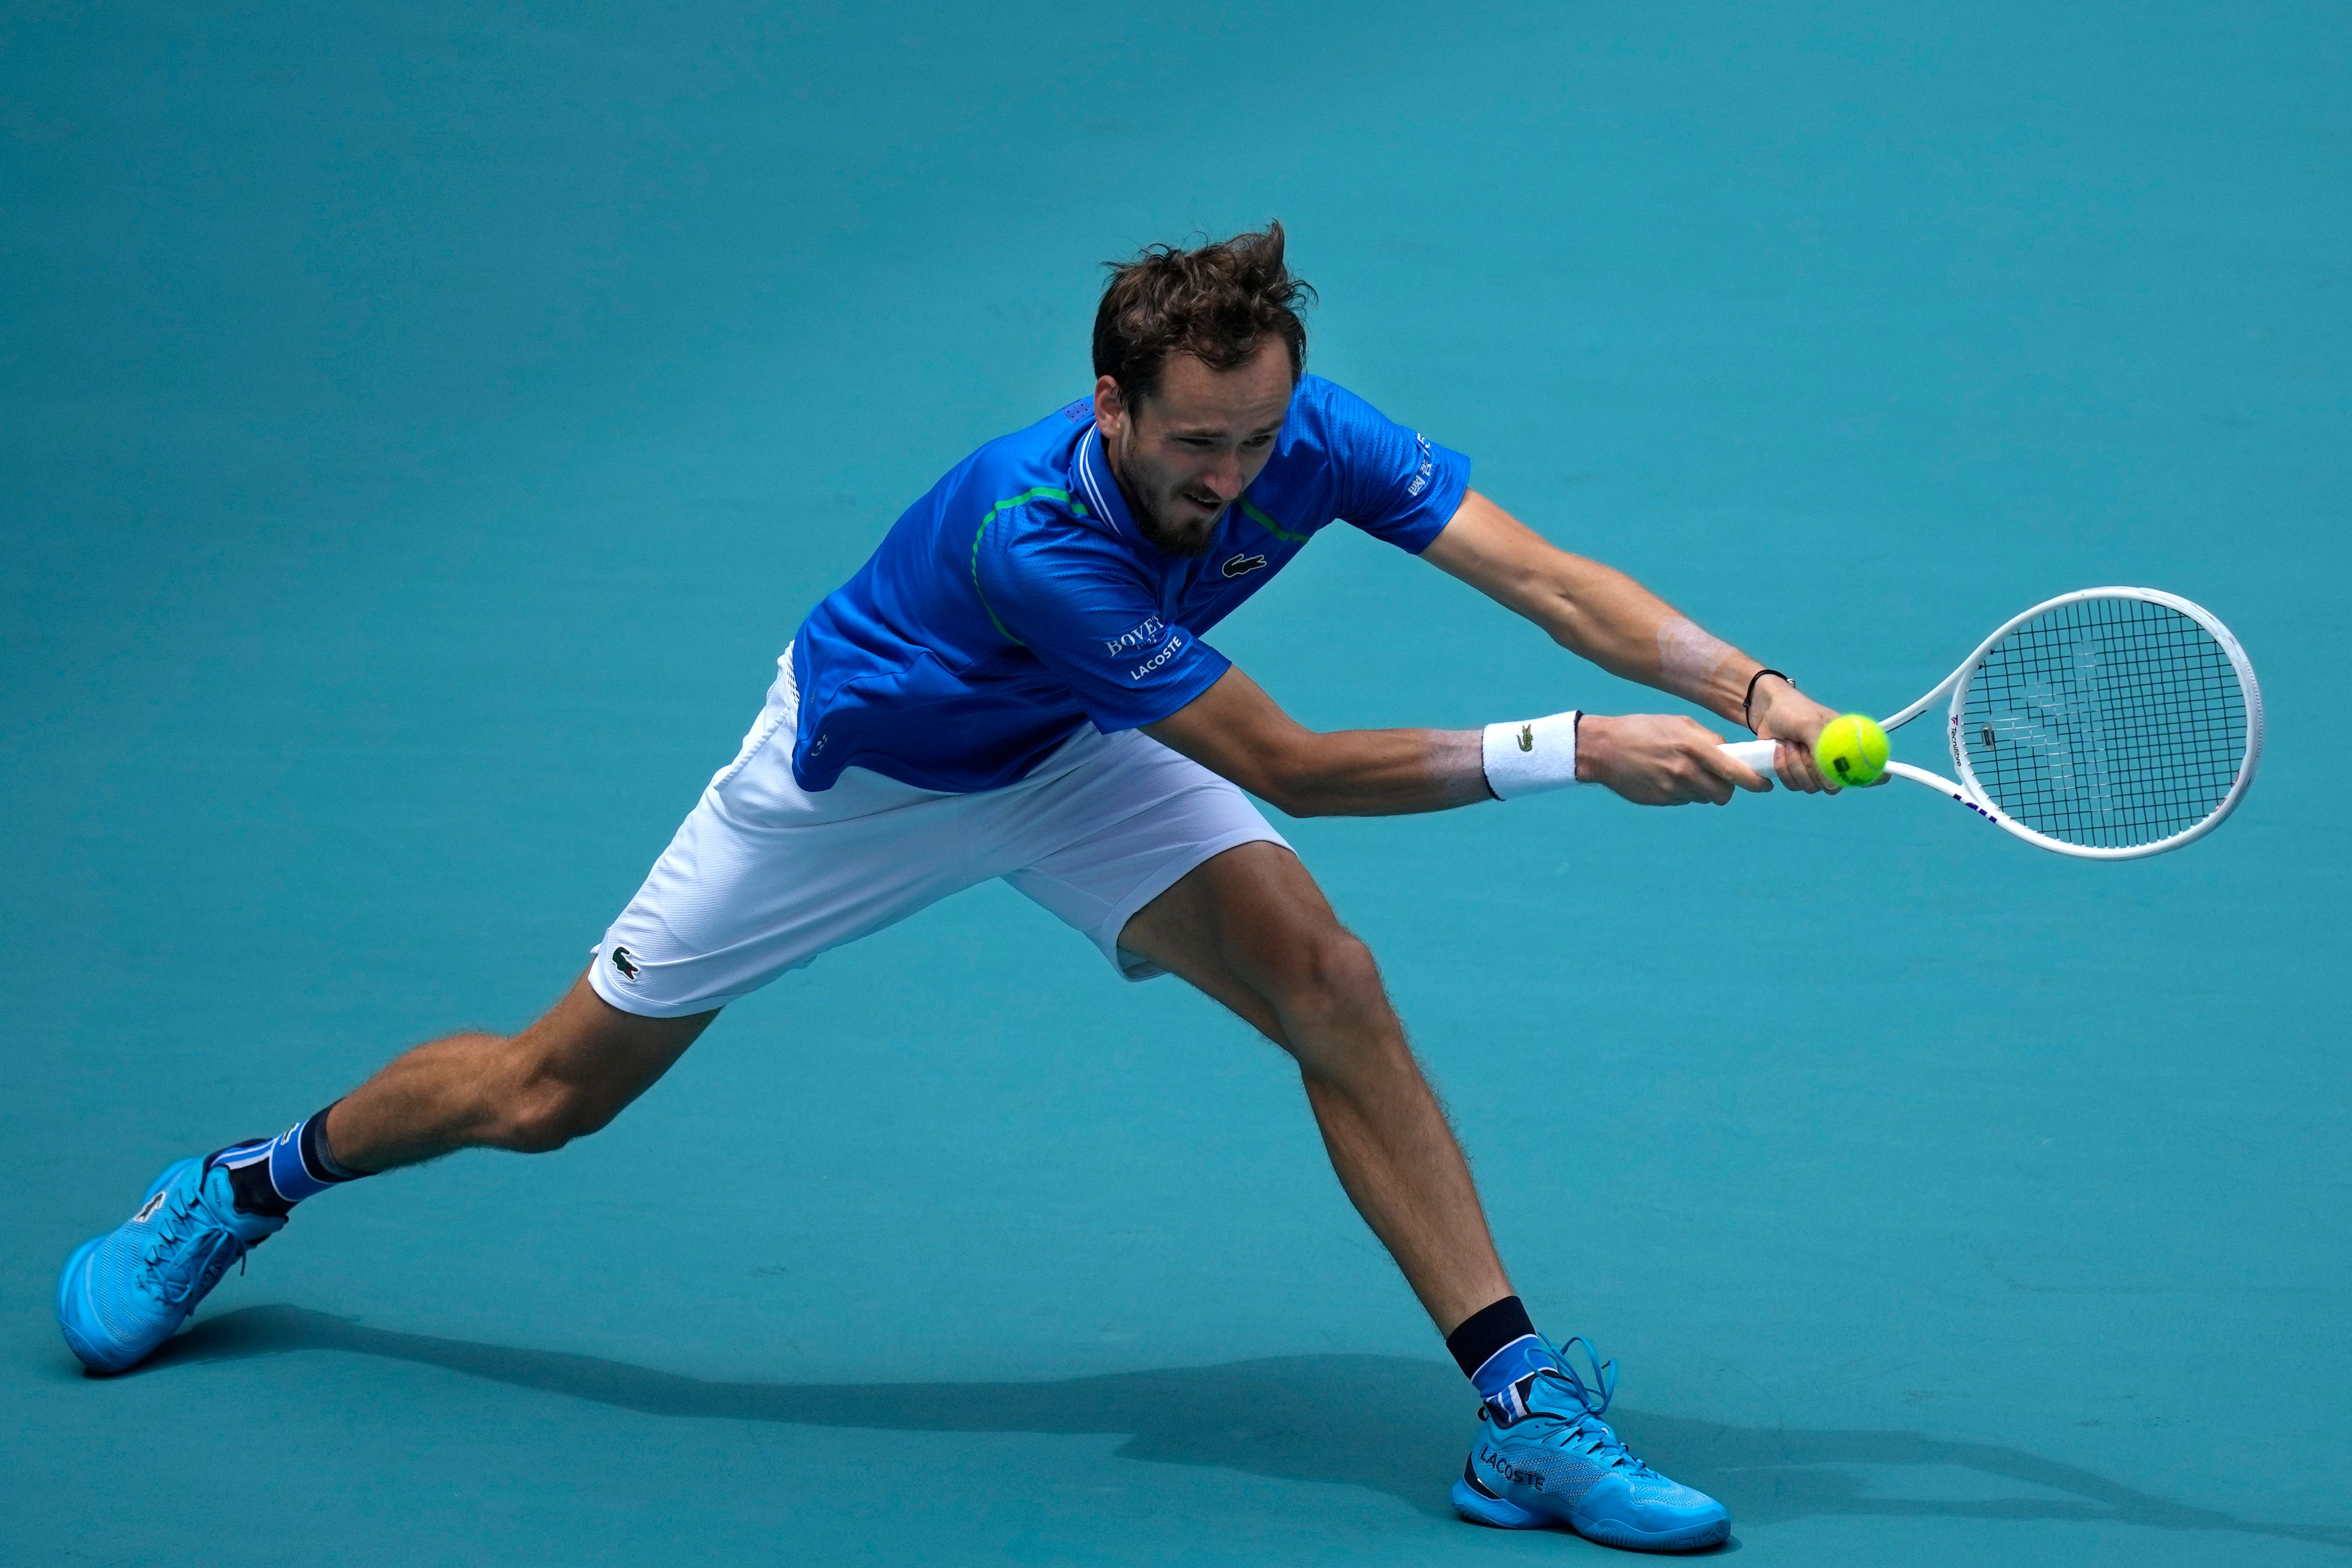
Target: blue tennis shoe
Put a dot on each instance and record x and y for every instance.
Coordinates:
(1544, 1457)
(125, 1292)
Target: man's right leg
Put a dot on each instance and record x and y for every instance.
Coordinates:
(564, 1077)
(760, 878)
(124, 1293)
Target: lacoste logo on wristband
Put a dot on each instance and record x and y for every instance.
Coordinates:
(1527, 737)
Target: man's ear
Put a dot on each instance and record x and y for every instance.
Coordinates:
(1110, 408)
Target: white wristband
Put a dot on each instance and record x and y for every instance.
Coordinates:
(1527, 757)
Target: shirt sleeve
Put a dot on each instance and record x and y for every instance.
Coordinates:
(1091, 621)
(1394, 484)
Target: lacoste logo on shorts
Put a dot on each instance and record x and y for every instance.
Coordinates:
(626, 962)
(1240, 565)
(153, 1204)
(1527, 737)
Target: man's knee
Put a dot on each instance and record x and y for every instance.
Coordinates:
(573, 1071)
(540, 1109)
(1324, 978)
(541, 1121)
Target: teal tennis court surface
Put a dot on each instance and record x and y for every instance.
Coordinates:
(424, 427)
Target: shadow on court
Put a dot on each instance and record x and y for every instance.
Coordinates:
(1399, 1428)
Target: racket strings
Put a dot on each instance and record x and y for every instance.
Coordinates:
(2108, 722)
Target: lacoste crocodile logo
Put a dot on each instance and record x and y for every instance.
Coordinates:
(1242, 565)
(1527, 737)
(624, 961)
(153, 1204)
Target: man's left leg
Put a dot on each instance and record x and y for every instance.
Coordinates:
(1251, 928)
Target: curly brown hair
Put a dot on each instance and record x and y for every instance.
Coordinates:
(1218, 302)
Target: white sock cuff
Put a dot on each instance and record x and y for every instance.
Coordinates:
(1527, 757)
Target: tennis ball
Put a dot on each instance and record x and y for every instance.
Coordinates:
(1852, 749)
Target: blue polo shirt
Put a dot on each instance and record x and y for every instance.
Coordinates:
(1017, 600)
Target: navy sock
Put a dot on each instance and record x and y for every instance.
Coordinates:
(270, 1177)
(1497, 1346)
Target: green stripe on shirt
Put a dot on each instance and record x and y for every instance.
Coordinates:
(1042, 492)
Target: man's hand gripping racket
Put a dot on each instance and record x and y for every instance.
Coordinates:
(2108, 723)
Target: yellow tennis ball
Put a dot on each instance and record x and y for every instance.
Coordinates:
(1852, 749)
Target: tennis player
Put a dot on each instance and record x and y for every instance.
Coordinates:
(1017, 685)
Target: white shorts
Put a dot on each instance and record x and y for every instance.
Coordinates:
(763, 875)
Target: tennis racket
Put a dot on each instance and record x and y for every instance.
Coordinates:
(2109, 723)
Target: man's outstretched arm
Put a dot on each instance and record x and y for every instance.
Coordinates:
(1593, 610)
(1600, 614)
(1234, 729)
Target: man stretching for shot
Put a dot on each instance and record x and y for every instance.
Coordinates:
(1016, 686)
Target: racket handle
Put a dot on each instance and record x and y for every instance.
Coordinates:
(1756, 754)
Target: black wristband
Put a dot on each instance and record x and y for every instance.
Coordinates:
(1747, 703)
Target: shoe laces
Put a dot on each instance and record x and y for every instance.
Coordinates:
(179, 1273)
(1584, 1431)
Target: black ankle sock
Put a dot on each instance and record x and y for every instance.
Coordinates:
(270, 1176)
(318, 1156)
(1478, 1336)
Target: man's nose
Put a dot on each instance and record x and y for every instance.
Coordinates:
(1226, 475)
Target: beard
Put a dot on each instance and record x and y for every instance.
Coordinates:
(1188, 539)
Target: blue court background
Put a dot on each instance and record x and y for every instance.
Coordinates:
(424, 425)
